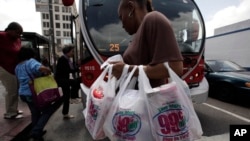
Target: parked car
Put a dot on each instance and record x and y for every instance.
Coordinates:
(227, 80)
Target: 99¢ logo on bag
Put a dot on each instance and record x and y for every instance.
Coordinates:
(171, 123)
(126, 124)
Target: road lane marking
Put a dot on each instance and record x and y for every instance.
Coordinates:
(227, 112)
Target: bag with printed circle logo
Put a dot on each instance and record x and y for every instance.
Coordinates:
(127, 119)
(171, 112)
(99, 99)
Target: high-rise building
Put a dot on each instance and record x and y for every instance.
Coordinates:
(62, 25)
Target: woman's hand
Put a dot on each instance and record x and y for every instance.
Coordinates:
(45, 70)
(117, 68)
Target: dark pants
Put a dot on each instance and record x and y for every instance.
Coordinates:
(70, 88)
(39, 118)
(74, 87)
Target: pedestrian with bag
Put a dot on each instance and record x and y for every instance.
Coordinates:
(26, 68)
(155, 55)
(69, 85)
(10, 44)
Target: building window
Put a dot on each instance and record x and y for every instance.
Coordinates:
(57, 8)
(57, 25)
(64, 18)
(67, 41)
(58, 33)
(56, 1)
(45, 24)
(63, 9)
(57, 17)
(66, 26)
(45, 16)
(46, 32)
(58, 41)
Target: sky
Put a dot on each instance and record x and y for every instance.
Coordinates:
(216, 13)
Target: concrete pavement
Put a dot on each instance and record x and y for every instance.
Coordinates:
(58, 129)
(10, 128)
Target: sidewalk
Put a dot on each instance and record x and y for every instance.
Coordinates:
(12, 127)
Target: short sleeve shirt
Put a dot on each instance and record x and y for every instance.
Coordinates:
(153, 43)
(23, 70)
(9, 50)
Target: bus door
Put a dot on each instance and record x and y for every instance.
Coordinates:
(104, 36)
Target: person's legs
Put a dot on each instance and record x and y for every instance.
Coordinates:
(35, 114)
(66, 97)
(44, 118)
(75, 86)
(64, 84)
(39, 118)
(11, 98)
(74, 91)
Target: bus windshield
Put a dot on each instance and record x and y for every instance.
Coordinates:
(109, 38)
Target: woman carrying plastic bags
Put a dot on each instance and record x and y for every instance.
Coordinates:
(153, 42)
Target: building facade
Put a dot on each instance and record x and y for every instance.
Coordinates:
(230, 42)
(62, 25)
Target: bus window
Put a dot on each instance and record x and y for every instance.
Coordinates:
(41, 46)
(104, 36)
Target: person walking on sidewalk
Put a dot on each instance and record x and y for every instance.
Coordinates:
(10, 44)
(69, 85)
(26, 67)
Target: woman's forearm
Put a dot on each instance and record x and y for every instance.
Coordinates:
(159, 71)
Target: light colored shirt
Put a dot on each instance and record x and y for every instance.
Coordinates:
(22, 71)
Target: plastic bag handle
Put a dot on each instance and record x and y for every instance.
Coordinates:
(177, 79)
(123, 76)
(126, 81)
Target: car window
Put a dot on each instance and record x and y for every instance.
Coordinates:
(224, 66)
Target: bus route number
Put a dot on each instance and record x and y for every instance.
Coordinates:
(114, 47)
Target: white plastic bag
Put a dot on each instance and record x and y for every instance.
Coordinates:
(114, 58)
(127, 119)
(171, 113)
(99, 100)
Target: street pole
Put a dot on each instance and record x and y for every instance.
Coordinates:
(52, 34)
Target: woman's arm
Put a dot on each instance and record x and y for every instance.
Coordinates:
(45, 70)
(157, 71)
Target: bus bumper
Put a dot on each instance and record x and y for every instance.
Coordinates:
(199, 94)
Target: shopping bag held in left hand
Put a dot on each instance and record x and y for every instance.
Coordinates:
(171, 112)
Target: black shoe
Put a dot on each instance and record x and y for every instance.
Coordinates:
(44, 132)
(38, 137)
